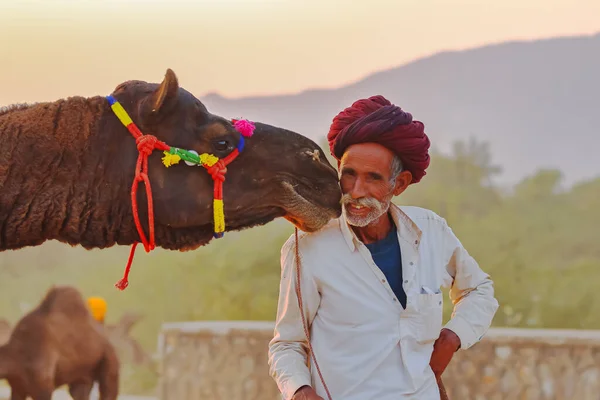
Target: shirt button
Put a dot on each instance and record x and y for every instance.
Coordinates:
(416, 242)
(383, 280)
(406, 281)
(395, 299)
(411, 263)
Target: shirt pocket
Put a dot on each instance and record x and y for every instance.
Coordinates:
(430, 317)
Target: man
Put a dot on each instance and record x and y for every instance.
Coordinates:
(371, 280)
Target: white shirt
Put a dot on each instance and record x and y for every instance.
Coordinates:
(366, 344)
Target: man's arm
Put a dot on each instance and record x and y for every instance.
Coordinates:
(288, 349)
(472, 293)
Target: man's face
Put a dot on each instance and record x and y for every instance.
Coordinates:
(366, 182)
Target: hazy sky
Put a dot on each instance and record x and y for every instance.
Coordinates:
(55, 48)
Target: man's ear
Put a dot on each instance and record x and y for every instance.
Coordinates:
(164, 97)
(403, 179)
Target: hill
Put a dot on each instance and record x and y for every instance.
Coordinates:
(532, 101)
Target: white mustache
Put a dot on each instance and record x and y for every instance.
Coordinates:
(361, 202)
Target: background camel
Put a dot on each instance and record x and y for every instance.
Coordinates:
(119, 334)
(66, 169)
(59, 343)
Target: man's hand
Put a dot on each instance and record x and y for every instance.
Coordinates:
(443, 350)
(306, 393)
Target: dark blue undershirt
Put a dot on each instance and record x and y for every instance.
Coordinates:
(386, 254)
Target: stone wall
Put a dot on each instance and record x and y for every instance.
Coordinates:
(228, 360)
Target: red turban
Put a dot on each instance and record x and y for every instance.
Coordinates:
(377, 120)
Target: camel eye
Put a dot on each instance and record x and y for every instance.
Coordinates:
(221, 145)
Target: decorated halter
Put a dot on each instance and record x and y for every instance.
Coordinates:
(146, 144)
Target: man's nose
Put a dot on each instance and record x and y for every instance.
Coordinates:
(358, 189)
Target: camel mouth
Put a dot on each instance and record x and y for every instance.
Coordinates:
(305, 213)
(298, 224)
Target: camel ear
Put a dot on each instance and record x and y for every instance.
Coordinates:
(165, 96)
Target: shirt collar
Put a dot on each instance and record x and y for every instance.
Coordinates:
(407, 229)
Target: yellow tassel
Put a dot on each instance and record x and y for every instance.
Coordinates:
(219, 216)
(208, 159)
(170, 159)
(121, 114)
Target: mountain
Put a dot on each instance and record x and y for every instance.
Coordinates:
(533, 101)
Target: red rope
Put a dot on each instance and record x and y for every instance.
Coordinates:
(123, 283)
(146, 144)
(217, 171)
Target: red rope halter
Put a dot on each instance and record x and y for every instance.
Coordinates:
(146, 144)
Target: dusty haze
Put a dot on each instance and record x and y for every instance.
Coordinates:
(250, 47)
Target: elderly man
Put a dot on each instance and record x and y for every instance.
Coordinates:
(370, 281)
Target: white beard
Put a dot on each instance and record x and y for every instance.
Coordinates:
(377, 209)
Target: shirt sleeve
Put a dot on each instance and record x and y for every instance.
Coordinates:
(472, 293)
(288, 350)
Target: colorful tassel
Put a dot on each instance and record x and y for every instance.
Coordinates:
(170, 159)
(244, 127)
(173, 155)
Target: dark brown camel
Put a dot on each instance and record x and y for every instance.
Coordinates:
(59, 343)
(66, 169)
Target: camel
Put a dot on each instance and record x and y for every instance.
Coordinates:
(67, 167)
(119, 334)
(59, 343)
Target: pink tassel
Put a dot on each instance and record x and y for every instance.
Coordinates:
(244, 127)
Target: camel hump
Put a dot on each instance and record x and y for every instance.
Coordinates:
(64, 299)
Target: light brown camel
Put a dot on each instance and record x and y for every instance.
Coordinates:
(67, 167)
(119, 334)
(59, 343)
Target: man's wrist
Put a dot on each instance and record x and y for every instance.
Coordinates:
(453, 338)
(303, 387)
(301, 390)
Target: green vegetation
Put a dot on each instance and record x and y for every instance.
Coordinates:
(541, 244)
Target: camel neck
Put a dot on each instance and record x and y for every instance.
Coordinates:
(58, 176)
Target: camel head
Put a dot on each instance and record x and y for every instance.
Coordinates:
(279, 173)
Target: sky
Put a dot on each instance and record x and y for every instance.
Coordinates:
(56, 48)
